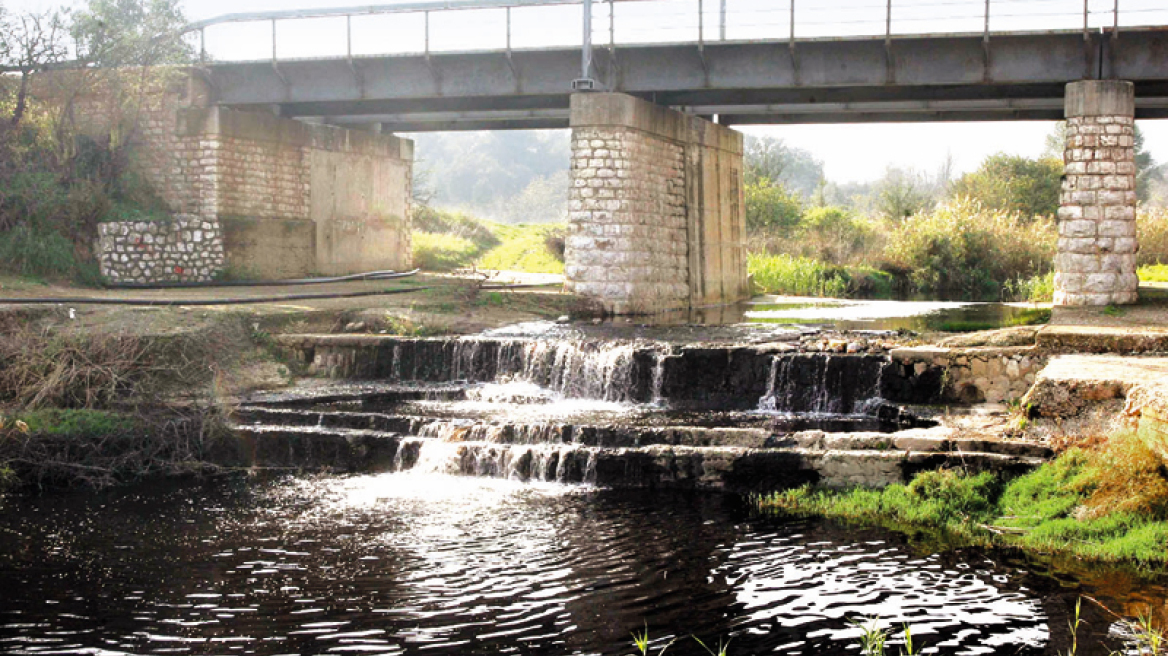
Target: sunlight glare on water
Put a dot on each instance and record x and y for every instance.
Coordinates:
(410, 563)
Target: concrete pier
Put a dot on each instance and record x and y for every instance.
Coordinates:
(1096, 262)
(656, 207)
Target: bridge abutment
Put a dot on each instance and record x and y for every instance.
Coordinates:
(1096, 261)
(656, 207)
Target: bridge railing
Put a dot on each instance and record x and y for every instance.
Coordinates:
(426, 28)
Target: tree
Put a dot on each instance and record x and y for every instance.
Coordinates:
(902, 193)
(1013, 183)
(770, 206)
(29, 43)
(769, 158)
(117, 33)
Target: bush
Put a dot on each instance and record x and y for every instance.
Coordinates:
(833, 234)
(1010, 183)
(769, 206)
(961, 250)
(1152, 228)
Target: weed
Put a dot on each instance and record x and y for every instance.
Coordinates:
(642, 643)
(1154, 273)
(873, 637)
(1114, 311)
(1074, 627)
(723, 647)
(530, 248)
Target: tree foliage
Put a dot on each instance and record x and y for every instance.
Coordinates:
(771, 159)
(1012, 183)
(771, 206)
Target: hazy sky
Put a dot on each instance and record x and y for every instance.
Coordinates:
(850, 152)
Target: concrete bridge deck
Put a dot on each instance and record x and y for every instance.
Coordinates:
(937, 77)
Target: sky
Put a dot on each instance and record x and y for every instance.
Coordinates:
(850, 153)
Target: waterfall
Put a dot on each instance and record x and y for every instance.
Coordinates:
(822, 384)
(559, 463)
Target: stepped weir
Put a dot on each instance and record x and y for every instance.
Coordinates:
(635, 413)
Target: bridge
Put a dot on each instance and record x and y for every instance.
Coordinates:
(290, 157)
(892, 76)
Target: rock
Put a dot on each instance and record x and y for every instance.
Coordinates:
(355, 327)
(563, 319)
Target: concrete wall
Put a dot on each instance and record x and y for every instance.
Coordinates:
(655, 207)
(290, 199)
(296, 199)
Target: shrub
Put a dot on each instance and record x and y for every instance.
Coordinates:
(1152, 228)
(1010, 183)
(770, 206)
(961, 250)
(833, 234)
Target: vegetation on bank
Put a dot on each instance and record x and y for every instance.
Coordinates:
(60, 177)
(987, 235)
(1103, 502)
(444, 241)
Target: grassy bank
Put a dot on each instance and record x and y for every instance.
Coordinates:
(1106, 502)
(444, 241)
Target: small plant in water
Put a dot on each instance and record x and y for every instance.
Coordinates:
(872, 636)
(723, 647)
(641, 642)
(1074, 626)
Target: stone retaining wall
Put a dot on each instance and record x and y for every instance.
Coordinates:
(185, 249)
(975, 375)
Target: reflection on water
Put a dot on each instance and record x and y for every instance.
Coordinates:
(894, 315)
(406, 563)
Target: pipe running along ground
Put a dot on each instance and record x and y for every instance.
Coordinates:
(165, 302)
(371, 275)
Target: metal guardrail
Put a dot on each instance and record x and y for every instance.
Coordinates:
(1107, 19)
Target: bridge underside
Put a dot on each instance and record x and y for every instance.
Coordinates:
(908, 79)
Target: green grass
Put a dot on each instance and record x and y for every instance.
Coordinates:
(796, 276)
(1154, 273)
(445, 240)
(1108, 504)
(526, 248)
(90, 423)
(805, 276)
(443, 252)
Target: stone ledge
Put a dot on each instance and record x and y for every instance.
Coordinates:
(1103, 339)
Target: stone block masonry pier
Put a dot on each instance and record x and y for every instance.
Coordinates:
(1096, 262)
(655, 207)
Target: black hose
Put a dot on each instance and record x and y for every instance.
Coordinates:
(372, 275)
(80, 300)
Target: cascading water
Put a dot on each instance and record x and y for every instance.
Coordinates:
(822, 384)
(616, 413)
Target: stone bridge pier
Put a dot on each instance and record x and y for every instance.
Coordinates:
(657, 218)
(1097, 246)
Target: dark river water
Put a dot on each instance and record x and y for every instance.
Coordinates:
(429, 564)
